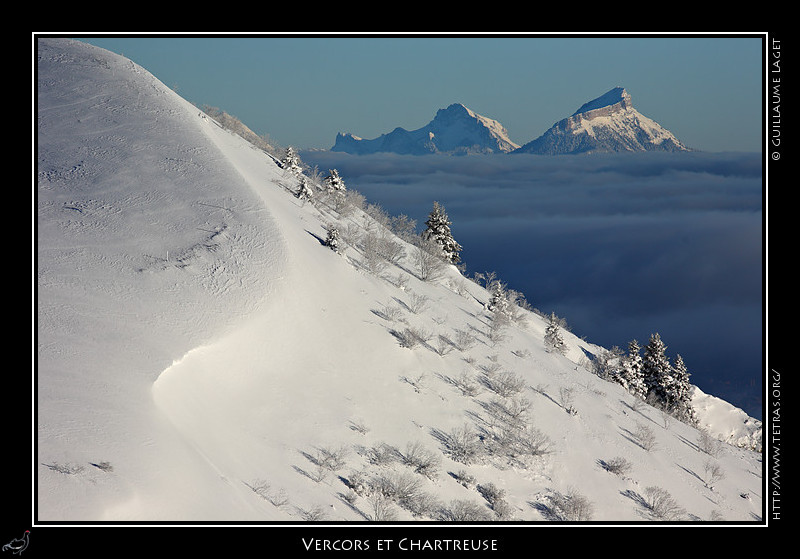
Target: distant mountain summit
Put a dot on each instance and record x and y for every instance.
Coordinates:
(455, 130)
(606, 124)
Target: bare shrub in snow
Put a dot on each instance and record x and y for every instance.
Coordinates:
(422, 460)
(371, 250)
(496, 499)
(444, 345)
(403, 226)
(464, 339)
(412, 336)
(314, 514)
(464, 478)
(406, 338)
(713, 472)
(503, 510)
(462, 510)
(491, 492)
(617, 466)
(466, 384)
(103, 466)
(418, 303)
(392, 313)
(382, 454)
(505, 383)
(429, 260)
(331, 458)
(358, 483)
(417, 382)
(400, 281)
(566, 397)
(708, 444)
(461, 444)
(68, 469)
(459, 286)
(359, 426)
(264, 490)
(423, 504)
(645, 437)
(381, 508)
(661, 504)
(511, 412)
(519, 444)
(403, 488)
(572, 507)
(496, 332)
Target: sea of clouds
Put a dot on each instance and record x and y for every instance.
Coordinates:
(620, 245)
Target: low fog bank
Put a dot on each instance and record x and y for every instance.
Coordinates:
(621, 246)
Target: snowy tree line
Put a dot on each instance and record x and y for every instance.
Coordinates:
(650, 376)
(433, 249)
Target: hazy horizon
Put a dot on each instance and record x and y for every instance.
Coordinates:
(303, 90)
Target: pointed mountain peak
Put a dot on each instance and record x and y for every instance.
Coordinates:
(615, 97)
(455, 130)
(457, 108)
(608, 123)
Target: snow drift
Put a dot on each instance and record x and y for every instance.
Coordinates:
(201, 355)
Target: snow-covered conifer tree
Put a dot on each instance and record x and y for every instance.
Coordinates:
(334, 182)
(680, 398)
(332, 240)
(438, 228)
(552, 335)
(303, 191)
(631, 375)
(291, 161)
(656, 370)
(499, 303)
(607, 364)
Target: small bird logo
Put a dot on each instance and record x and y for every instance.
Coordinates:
(18, 545)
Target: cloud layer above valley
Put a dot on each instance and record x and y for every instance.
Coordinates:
(620, 245)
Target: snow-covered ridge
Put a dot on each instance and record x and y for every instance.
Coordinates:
(454, 130)
(201, 355)
(608, 123)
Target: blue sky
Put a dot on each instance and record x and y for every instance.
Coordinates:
(302, 91)
(620, 247)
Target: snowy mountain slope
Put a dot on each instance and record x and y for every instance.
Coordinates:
(202, 356)
(454, 130)
(608, 123)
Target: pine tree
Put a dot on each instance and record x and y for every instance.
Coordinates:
(681, 395)
(657, 371)
(438, 228)
(334, 182)
(291, 161)
(304, 192)
(632, 375)
(499, 301)
(332, 240)
(552, 335)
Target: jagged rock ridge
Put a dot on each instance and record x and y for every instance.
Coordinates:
(455, 130)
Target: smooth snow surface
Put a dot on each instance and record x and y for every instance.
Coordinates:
(199, 349)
